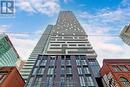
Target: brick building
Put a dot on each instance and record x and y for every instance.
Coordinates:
(10, 77)
(116, 72)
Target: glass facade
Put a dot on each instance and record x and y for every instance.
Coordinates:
(95, 66)
(125, 34)
(8, 55)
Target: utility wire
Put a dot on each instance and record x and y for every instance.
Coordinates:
(31, 33)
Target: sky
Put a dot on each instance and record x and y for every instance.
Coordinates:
(102, 20)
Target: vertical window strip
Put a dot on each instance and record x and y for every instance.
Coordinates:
(30, 82)
(43, 63)
(68, 70)
(62, 84)
(82, 81)
(50, 71)
(37, 82)
(69, 81)
(86, 70)
(62, 62)
(77, 62)
(80, 70)
(34, 71)
(89, 81)
(41, 70)
(49, 82)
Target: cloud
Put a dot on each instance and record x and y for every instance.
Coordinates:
(4, 28)
(47, 7)
(25, 6)
(24, 46)
(108, 17)
(24, 43)
(106, 26)
(125, 3)
(106, 46)
(67, 1)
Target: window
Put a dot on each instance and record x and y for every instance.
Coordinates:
(116, 68)
(37, 81)
(123, 68)
(52, 62)
(64, 45)
(62, 62)
(30, 82)
(125, 82)
(72, 44)
(78, 62)
(34, 71)
(41, 70)
(55, 44)
(68, 70)
(89, 81)
(80, 70)
(38, 62)
(69, 81)
(86, 70)
(2, 77)
(50, 71)
(62, 79)
(82, 81)
(83, 62)
(62, 70)
(43, 63)
(68, 62)
(49, 81)
(81, 44)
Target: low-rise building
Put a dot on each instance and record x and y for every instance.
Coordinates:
(116, 72)
(10, 77)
